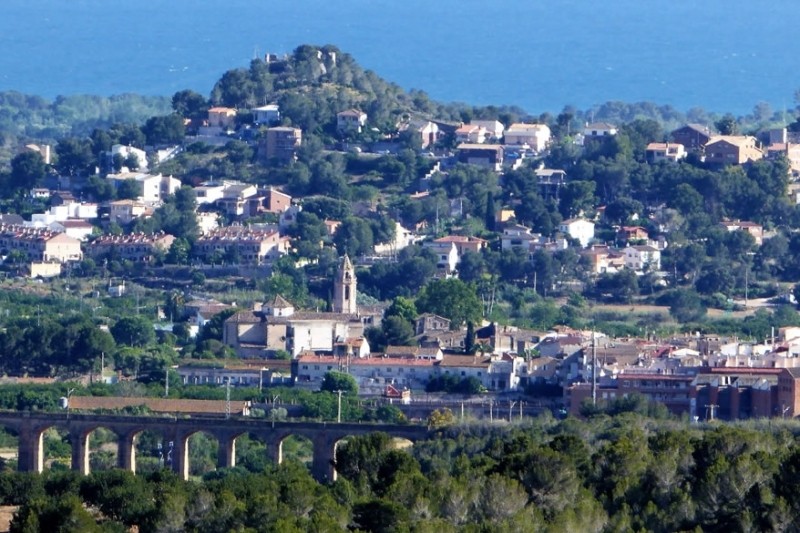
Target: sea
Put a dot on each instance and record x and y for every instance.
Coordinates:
(541, 55)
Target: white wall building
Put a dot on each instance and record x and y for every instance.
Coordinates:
(578, 228)
(536, 136)
(127, 151)
(266, 114)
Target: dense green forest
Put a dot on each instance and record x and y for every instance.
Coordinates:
(612, 472)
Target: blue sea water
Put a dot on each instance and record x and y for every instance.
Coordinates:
(538, 54)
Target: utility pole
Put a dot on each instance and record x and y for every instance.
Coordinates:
(339, 407)
(491, 413)
(510, 409)
(228, 398)
(166, 382)
(594, 370)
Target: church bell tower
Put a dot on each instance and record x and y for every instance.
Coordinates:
(344, 288)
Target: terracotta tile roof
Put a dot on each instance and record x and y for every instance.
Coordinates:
(161, 405)
(464, 361)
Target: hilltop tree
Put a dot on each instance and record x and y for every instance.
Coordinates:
(133, 331)
(189, 104)
(339, 381)
(27, 170)
(168, 129)
(727, 125)
(74, 156)
(452, 299)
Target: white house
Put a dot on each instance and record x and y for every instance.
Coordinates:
(446, 256)
(578, 228)
(639, 258)
(127, 151)
(209, 192)
(534, 135)
(598, 130)
(471, 133)
(518, 236)
(402, 237)
(494, 128)
(60, 213)
(154, 187)
(352, 120)
(267, 114)
(656, 152)
(76, 228)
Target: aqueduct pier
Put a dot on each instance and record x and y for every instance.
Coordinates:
(30, 428)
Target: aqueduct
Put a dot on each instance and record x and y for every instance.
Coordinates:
(30, 427)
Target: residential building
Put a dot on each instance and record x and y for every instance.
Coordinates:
(250, 373)
(657, 152)
(289, 217)
(154, 188)
(632, 233)
(464, 243)
(124, 212)
(351, 121)
(75, 227)
(518, 236)
(39, 244)
(604, 259)
(484, 155)
(369, 372)
(732, 150)
(579, 229)
(494, 129)
(280, 144)
(693, 137)
(791, 152)
(427, 131)
(641, 257)
(598, 131)
(536, 136)
(241, 244)
(267, 115)
(735, 393)
(276, 202)
(471, 134)
(550, 181)
(428, 322)
(237, 197)
(223, 118)
(129, 151)
(672, 390)
(756, 230)
(209, 192)
(136, 247)
(402, 238)
(469, 366)
(59, 212)
(446, 257)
